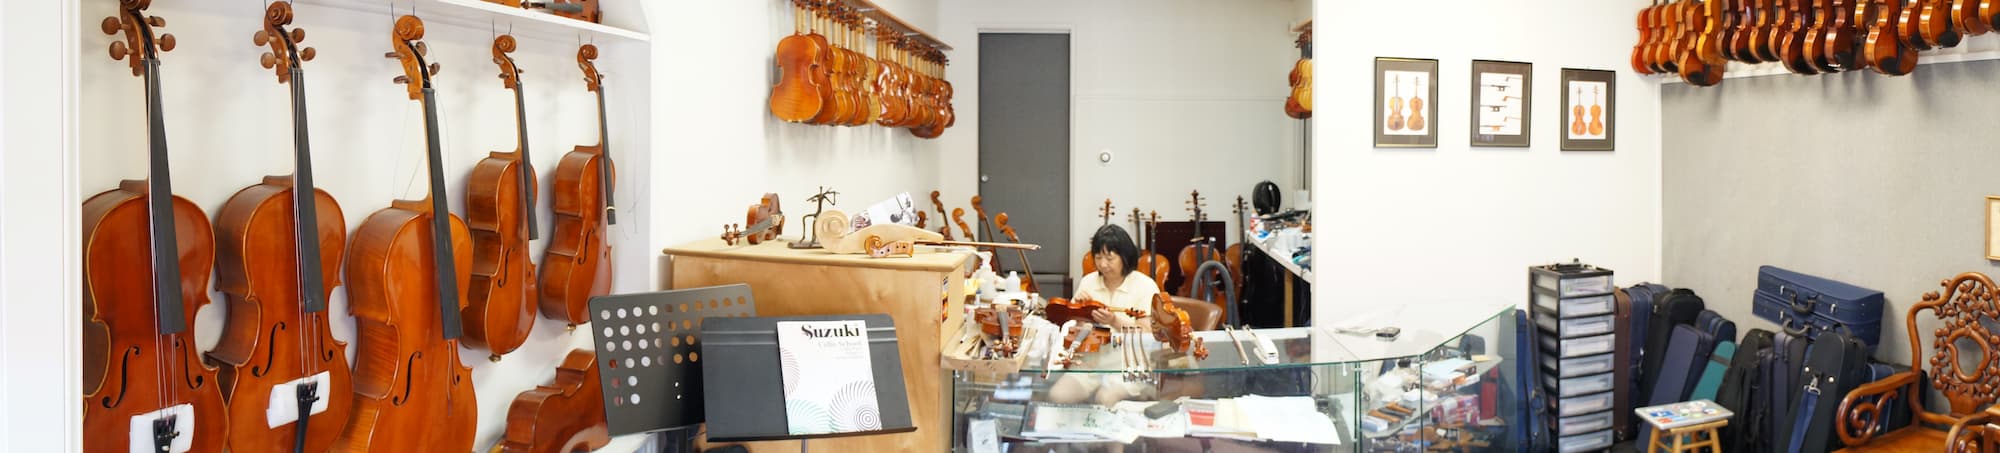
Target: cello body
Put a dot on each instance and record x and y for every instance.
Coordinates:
(146, 258)
(577, 263)
(499, 208)
(276, 267)
(566, 415)
(501, 309)
(413, 393)
(406, 271)
(268, 337)
(122, 348)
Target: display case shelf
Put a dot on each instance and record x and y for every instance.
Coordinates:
(1435, 369)
(478, 13)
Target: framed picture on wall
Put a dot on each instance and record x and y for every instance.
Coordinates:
(1589, 101)
(1405, 107)
(1502, 94)
(1993, 227)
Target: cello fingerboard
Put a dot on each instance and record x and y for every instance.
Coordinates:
(648, 346)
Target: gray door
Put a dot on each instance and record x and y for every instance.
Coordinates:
(1024, 145)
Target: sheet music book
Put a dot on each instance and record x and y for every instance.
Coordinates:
(828, 377)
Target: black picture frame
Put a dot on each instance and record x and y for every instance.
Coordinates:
(1597, 128)
(1502, 104)
(1393, 124)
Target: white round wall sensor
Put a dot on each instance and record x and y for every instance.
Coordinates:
(1104, 156)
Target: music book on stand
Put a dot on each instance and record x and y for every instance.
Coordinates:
(823, 376)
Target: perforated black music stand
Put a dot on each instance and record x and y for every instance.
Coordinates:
(649, 353)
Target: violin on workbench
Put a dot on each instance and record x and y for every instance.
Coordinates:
(577, 263)
(564, 416)
(1172, 328)
(146, 254)
(500, 209)
(407, 266)
(765, 221)
(279, 259)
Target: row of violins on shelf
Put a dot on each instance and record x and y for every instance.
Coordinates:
(1299, 104)
(1696, 39)
(418, 281)
(824, 80)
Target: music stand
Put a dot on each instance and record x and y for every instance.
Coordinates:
(745, 393)
(648, 347)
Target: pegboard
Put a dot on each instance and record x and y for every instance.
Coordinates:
(649, 354)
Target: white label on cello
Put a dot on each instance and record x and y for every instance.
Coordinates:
(284, 406)
(142, 429)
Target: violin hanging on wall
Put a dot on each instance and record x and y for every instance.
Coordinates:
(1298, 105)
(407, 267)
(577, 263)
(279, 259)
(500, 209)
(147, 254)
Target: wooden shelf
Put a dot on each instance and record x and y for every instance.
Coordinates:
(480, 14)
(885, 18)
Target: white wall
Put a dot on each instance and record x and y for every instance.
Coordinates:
(1458, 222)
(38, 290)
(1187, 95)
(720, 148)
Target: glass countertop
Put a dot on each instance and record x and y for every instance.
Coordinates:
(1425, 327)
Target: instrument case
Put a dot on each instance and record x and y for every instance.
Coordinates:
(1806, 305)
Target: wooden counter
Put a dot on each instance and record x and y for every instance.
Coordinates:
(788, 282)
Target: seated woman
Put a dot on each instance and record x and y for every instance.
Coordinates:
(1118, 288)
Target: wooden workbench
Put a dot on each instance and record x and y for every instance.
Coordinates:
(789, 282)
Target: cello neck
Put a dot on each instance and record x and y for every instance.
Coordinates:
(160, 210)
(524, 178)
(441, 252)
(305, 205)
(604, 173)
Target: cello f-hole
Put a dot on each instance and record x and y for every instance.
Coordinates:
(187, 368)
(270, 350)
(124, 372)
(409, 368)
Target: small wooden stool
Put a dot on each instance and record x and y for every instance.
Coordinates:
(1690, 438)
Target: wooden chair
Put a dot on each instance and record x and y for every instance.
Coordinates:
(1202, 315)
(1966, 299)
(1976, 433)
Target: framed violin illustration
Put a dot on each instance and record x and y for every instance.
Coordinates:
(1503, 95)
(1588, 99)
(1405, 107)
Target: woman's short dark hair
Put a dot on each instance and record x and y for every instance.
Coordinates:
(1113, 239)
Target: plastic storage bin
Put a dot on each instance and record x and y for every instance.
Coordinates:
(1579, 366)
(1577, 327)
(1578, 385)
(1584, 442)
(1577, 347)
(1579, 405)
(1570, 308)
(1582, 424)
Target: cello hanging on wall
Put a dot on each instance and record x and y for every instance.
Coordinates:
(500, 210)
(407, 266)
(146, 260)
(577, 264)
(278, 261)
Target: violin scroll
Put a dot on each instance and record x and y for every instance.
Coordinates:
(510, 75)
(140, 42)
(592, 80)
(285, 51)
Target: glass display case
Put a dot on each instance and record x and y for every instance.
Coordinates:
(1443, 382)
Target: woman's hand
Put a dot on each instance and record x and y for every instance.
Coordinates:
(1106, 317)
